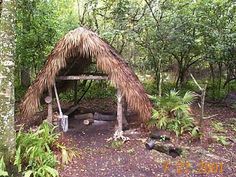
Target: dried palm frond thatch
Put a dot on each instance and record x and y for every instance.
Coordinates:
(82, 45)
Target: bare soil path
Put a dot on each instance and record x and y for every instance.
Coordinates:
(99, 158)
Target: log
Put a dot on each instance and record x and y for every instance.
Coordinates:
(166, 148)
(71, 110)
(48, 99)
(84, 116)
(104, 117)
(83, 77)
(88, 121)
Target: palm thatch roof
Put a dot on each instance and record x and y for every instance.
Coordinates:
(76, 50)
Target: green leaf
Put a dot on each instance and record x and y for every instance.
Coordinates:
(28, 173)
(64, 156)
(52, 171)
(3, 173)
(18, 157)
(188, 97)
(221, 139)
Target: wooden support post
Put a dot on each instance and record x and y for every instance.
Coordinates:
(48, 100)
(119, 110)
(84, 116)
(202, 96)
(124, 121)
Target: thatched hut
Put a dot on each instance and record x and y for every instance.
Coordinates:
(71, 55)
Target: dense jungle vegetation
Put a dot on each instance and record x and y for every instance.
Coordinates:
(163, 41)
(182, 51)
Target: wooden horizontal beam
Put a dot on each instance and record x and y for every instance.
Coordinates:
(83, 77)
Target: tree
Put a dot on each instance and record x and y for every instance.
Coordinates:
(39, 25)
(35, 31)
(217, 31)
(7, 50)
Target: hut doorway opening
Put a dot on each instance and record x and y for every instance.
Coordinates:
(62, 118)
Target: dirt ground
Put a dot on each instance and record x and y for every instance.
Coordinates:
(100, 158)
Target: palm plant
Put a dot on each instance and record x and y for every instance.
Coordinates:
(172, 112)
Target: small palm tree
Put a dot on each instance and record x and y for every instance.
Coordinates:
(172, 112)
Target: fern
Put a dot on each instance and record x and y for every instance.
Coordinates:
(34, 156)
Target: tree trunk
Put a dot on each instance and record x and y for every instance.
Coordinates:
(220, 76)
(213, 79)
(181, 77)
(156, 69)
(160, 78)
(7, 50)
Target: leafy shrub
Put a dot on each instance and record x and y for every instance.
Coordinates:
(102, 89)
(96, 90)
(34, 155)
(19, 91)
(117, 144)
(172, 112)
(34, 152)
(150, 86)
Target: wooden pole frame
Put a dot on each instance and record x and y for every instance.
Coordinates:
(119, 110)
(83, 77)
(48, 100)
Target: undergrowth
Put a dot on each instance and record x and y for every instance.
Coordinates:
(35, 153)
(172, 112)
(99, 89)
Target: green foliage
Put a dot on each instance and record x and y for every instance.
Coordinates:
(34, 156)
(164, 37)
(3, 171)
(232, 124)
(96, 90)
(221, 139)
(67, 154)
(218, 131)
(218, 127)
(172, 112)
(159, 118)
(117, 144)
(39, 24)
(215, 93)
(35, 30)
(34, 152)
(131, 151)
(181, 125)
(19, 91)
(100, 90)
(150, 86)
(195, 133)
